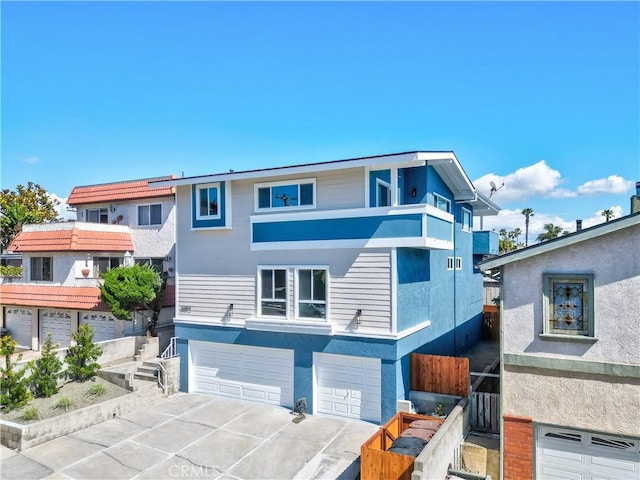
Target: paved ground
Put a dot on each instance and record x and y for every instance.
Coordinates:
(189, 436)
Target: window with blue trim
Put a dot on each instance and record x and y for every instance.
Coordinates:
(466, 220)
(276, 195)
(208, 201)
(383, 193)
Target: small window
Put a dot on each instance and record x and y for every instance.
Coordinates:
(312, 293)
(150, 214)
(383, 193)
(102, 264)
(466, 220)
(41, 269)
(209, 201)
(442, 203)
(97, 215)
(449, 263)
(568, 302)
(285, 195)
(273, 292)
(458, 263)
(156, 263)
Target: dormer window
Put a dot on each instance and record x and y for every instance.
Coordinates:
(277, 195)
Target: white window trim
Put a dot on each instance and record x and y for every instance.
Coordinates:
(197, 201)
(470, 227)
(450, 263)
(287, 301)
(437, 197)
(458, 263)
(96, 209)
(149, 205)
(588, 306)
(257, 186)
(379, 182)
(297, 293)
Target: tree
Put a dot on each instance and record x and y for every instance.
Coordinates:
(30, 204)
(128, 289)
(46, 370)
(517, 232)
(607, 214)
(505, 243)
(14, 391)
(528, 213)
(551, 231)
(82, 357)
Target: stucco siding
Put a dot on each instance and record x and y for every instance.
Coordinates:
(615, 266)
(592, 402)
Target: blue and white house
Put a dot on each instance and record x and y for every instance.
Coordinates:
(318, 280)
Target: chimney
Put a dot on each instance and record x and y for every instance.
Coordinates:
(578, 225)
(635, 200)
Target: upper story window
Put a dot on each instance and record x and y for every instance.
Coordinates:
(208, 201)
(41, 269)
(273, 292)
(442, 203)
(299, 194)
(97, 215)
(466, 220)
(383, 193)
(150, 214)
(157, 263)
(102, 264)
(568, 305)
(312, 293)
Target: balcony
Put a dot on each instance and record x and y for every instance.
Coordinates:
(416, 226)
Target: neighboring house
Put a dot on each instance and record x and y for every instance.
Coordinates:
(62, 262)
(570, 354)
(319, 280)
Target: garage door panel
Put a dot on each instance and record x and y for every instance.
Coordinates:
(18, 322)
(552, 473)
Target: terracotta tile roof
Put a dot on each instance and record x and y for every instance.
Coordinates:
(58, 296)
(74, 240)
(119, 191)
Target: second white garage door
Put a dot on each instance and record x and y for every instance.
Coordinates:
(348, 386)
(239, 371)
(58, 323)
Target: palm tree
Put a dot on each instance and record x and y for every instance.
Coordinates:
(517, 232)
(551, 231)
(607, 214)
(528, 213)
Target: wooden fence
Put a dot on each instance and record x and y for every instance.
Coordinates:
(485, 412)
(438, 374)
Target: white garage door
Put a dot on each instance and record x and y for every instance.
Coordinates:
(58, 323)
(575, 454)
(18, 322)
(104, 325)
(348, 386)
(249, 373)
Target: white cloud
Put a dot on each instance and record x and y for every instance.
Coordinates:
(63, 208)
(613, 184)
(30, 160)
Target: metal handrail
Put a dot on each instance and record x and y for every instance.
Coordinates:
(161, 371)
(171, 350)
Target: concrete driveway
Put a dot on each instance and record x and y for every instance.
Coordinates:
(192, 436)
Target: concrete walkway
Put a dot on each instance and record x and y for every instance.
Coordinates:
(196, 436)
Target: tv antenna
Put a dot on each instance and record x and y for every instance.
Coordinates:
(494, 189)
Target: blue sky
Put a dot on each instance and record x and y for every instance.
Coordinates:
(544, 97)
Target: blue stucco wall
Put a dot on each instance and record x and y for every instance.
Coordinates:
(390, 226)
(410, 179)
(439, 229)
(485, 243)
(435, 184)
(413, 287)
(393, 354)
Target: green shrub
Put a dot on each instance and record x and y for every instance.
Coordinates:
(82, 357)
(64, 403)
(10, 271)
(14, 390)
(96, 390)
(30, 413)
(46, 370)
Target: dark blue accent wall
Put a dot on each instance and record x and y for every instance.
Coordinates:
(384, 175)
(218, 222)
(410, 179)
(435, 184)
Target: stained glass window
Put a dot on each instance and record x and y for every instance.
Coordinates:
(569, 309)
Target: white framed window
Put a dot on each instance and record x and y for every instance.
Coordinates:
(442, 203)
(467, 220)
(568, 305)
(383, 193)
(273, 292)
(102, 264)
(297, 194)
(97, 215)
(458, 263)
(312, 288)
(150, 214)
(41, 269)
(208, 201)
(449, 263)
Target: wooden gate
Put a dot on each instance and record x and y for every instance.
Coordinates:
(485, 412)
